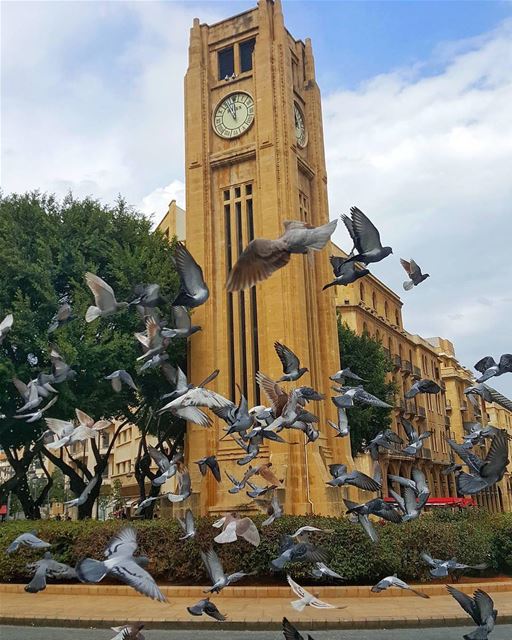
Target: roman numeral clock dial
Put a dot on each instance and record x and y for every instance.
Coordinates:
(233, 115)
(300, 127)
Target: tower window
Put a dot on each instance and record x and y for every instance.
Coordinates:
(226, 59)
(246, 50)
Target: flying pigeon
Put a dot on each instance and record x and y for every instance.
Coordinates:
(291, 633)
(120, 563)
(237, 417)
(129, 632)
(153, 340)
(476, 433)
(386, 439)
(307, 599)
(234, 527)
(358, 515)
(490, 369)
(415, 439)
(193, 289)
(291, 365)
(205, 606)
(183, 327)
(62, 317)
(167, 468)
(209, 462)
(422, 386)
(29, 540)
(47, 567)
(261, 258)
(408, 505)
(357, 394)
(321, 570)
(257, 491)
(146, 295)
(216, 572)
(414, 273)
(104, 298)
(188, 525)
(343, 427)
(117, 378)
(345, 272)
(6, 326)
(484, 473)
(393, 581)
(341, 375)
(341, 477)
(273, 509)
(184, 485)
(376, 507)
(29, 393)
(36, 415)
(479, 390)
(442, 568)
(83, 497)
(366, 238)
(297, 552)
(418, 484)
(186, 405)
(480, 607)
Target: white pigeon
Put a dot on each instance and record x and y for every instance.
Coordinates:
(307, 599)
(234, 527)
(186, 406)
(36, 415)
(5, 326)
(104, 297)
(82, 498)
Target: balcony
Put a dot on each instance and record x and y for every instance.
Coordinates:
(407, 367)
(421, 411)
(447, 421)
(416, 373)
(397, 361)
(426, 453)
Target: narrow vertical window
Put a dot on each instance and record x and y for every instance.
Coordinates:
(229, 264)
(246, 51)
(226, 63)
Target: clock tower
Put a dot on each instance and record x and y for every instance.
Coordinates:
(255, 158)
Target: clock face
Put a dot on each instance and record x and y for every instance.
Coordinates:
(233, 115)
(300, 127)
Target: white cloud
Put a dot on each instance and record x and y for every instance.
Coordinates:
(429, 160)
(155, 204)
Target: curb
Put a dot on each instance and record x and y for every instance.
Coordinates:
(271, 625)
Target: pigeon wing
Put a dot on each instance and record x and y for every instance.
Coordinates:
(288, 359)
(257, 262)
(123, 543)
(505, 363)
(290, 632)
(103, 293)
(213, 565)
(367, 235)
(246, 529)
(497, 457)
(485, 363)
(191, 274)
(296, 588)
(135, 576)
(485, 605)
(466, 603)
(275, 394)
(181, 317)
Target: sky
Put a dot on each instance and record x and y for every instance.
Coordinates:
(417, 125)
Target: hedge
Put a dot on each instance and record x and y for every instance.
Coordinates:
(471, 536)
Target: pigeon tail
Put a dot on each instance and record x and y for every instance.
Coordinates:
(92, 313)
(326, 286)
(480, 633)
(298, 605)
(408, 285)
(89, 570)
(468, 484)
(38, 582)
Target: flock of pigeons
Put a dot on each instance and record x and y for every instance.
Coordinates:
(249, 427)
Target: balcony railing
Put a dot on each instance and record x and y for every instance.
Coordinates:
(447, 421)
(416, 373)
(397, 361)
(421, 411)
(407, 366)
(387, 352)
(448, 404)
(426, 453)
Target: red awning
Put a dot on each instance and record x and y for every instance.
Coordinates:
(445, 502)
(3, 510)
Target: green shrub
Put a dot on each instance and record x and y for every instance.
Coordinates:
(470, 536)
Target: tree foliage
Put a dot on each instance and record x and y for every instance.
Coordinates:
(46, 247)
(366, 357)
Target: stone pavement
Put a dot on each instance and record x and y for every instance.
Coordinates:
(245, 607)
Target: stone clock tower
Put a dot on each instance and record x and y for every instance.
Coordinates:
(255, 158)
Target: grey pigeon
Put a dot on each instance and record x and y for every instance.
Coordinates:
(362, 518)
(120, 563)
(366, 238)
(422, 386)
(490, 369)
(480, 607)
(452, 468)
(257, 491)
(184, 485)
(129, 632)
(252, 449)
(442, 568)
(146, 295)
(416, 440)
(104, 298)
(357, 394)
(274, 510)
(291, 633)
(418, 484)
(476, 433)
(393, 581)
(193, 289)
(341, 375)
(479, 389)
(6, 326)
(205, 606)
(47, 567)
(386, 439)
(183, 327)
(321, 570)
(61, 371)
(345, 272)
(341, 477)
(83, 497)
(291, 552)
(158, 360)
(343, 427)
(188, 525)
(261, 258)
(209, 462)
(63, 316)
(120, 377)
(29, 540)
(291, 365)
(408, 505)
(487, 472)
(36, 415)
(216, 572)
(377, 507)
(237, 417)
(29, 393)
(152, 340)
(238, 485)
(307, 429)
(414, 273)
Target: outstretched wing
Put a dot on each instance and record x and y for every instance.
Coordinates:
(296, 588)
(134, 575)
(123, 543)
(466, 603)
(288, 359)
(257, 262)
(103, 293)
(366, 234)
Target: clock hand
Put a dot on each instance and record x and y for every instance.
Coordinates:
(233, 108)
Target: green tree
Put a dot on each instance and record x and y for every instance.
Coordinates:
(46, 246)
(366, 357)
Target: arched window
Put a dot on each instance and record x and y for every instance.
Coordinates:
(377, 336)
(374, 300)
(361, 292)
(365, 328)
(397, 318)
(386, 309)
(390, 345)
